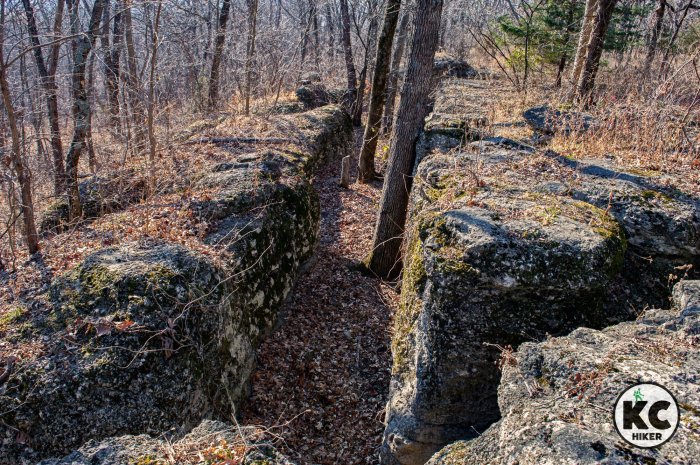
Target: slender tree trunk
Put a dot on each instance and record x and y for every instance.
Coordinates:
(133, 85)
(250, 49)
(562, 61)
(219, 43)
(152, 99)
(393, 82)
(584, 38)
(84, 43)
(331, 31)
(362, 82)
(351, 95)
(665, 63)
(316, 34)
(47, 75)
(655, 34)
(594, 51)
(112, 68)
(23, 176)
(92, 158)
(385, 257)
(379, 82)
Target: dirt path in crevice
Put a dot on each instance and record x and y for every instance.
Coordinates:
(323, 377)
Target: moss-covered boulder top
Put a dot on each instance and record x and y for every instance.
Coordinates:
(556, 397)
(152, 337)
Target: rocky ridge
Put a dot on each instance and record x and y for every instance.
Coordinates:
(154, 337)
(508, 244)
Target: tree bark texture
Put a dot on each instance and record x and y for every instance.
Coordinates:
(385, 258)
(379, 83)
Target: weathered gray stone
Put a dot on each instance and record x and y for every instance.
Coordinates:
(485, 266)
(557, 397)
(480, 216)
(547, 120)
(145, 338)
(448, 66)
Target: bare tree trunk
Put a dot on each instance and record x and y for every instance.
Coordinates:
(47, 75)
(393, 82)
(112, 67)
(351, 95)
(92, 158)
(594, 51)
(665, 63)
(562, 60)
(385, 257)
(23, 175)
(316, 35)
(84, 43)
(583, 41)
(655, 34)
(362, 82)
(132, 81)
(250, 49)
(331, 31)
(219, 43)
(374, 115)
(152, 99)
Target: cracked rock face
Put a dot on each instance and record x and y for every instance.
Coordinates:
(507, 245)
(148, 338)
(556, 397)
(497, 268)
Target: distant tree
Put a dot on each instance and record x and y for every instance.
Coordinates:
(16, 162)
(392, 85)
(351, 73)
(583, 90)
(385, 256)
(47, 75)
(83, 44)
(219, 43)
(379, 82)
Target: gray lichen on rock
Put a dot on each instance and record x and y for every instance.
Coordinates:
(556, 397)
(154, 337)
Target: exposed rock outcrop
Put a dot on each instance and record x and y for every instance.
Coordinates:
(145, 338)
(557, 397)
(494, 267)
(447, 66)
(507, 245)
(547, 120)
(210, 442)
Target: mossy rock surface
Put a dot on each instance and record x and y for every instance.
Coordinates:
(154, 337)
(511, 270)
(507, 245)
(567, 418)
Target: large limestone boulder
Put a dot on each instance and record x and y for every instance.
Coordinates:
(486, 268)
(210, 442)
(154, 337)
(557, 397)
(505, 245)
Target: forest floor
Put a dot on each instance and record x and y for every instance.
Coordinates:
(323, 376)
